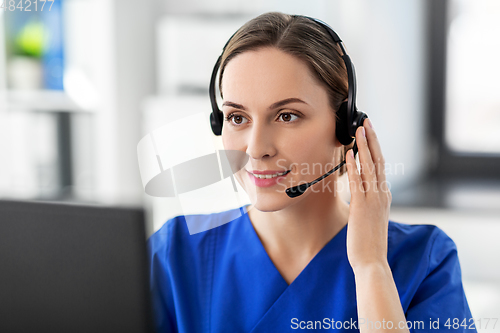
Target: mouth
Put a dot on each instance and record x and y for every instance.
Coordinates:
(265, 176)
(263, 180)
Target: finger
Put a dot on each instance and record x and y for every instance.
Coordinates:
(355, 183)
(377, 156)
(368, 173)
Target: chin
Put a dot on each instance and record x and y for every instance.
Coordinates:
(267, 207)
(272, 202)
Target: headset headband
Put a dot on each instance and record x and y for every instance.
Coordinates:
(349, 117)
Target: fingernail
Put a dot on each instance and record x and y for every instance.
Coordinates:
(363, 131)
(351, 152)
(370, 123)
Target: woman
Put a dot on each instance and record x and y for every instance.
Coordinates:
(314, 261)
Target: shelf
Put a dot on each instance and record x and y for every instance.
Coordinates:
(42, 100)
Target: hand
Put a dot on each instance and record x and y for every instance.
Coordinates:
(370, 202)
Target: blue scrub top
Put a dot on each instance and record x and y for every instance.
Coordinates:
(222, 280)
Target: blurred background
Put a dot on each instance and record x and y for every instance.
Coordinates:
(82, 81)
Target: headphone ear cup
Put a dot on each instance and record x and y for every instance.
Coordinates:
(216, 124)
(342, 126)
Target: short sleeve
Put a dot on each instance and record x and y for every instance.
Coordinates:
(160, 282)
(440, 304)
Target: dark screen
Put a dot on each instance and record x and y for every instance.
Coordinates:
(72, 268)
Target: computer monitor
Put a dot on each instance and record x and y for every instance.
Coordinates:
(73, 268)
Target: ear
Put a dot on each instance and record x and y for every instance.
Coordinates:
(336, 142)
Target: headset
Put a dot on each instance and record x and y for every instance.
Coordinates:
(349, 118)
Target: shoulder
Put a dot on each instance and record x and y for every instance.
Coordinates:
(414, 250)
(421, 231)
(181, 258)
(426, 269)
(188, 233)
(417, 251)
(424, 239)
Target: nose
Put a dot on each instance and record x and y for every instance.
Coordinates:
(260, 142)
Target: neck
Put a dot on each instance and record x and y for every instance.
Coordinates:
(302, 229)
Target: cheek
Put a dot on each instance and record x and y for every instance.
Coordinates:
(315, 144)
(224, 140)
(235, 152)
(314, 154)
(234, 140)
(227, 141)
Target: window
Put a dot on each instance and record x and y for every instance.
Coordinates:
(472, 111)
(463, 79)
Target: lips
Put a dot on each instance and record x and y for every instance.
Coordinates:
(266, 172)
(269, 174)
(267, 178)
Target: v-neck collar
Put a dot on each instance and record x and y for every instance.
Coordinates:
(340, 237)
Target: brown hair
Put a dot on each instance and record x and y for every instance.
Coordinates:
(300, 37)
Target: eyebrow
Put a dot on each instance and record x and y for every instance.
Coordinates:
(273, 106)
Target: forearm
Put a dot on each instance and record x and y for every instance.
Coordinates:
(379, 306)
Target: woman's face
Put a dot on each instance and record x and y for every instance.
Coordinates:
(296, 135)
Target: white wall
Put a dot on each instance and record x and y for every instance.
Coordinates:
(385, 39)
(116, 55)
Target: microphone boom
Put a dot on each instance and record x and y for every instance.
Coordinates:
(298, 190)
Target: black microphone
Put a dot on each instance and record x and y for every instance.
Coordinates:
(295, 191)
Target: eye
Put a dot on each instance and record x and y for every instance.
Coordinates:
(238, 119)
(288, 117)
